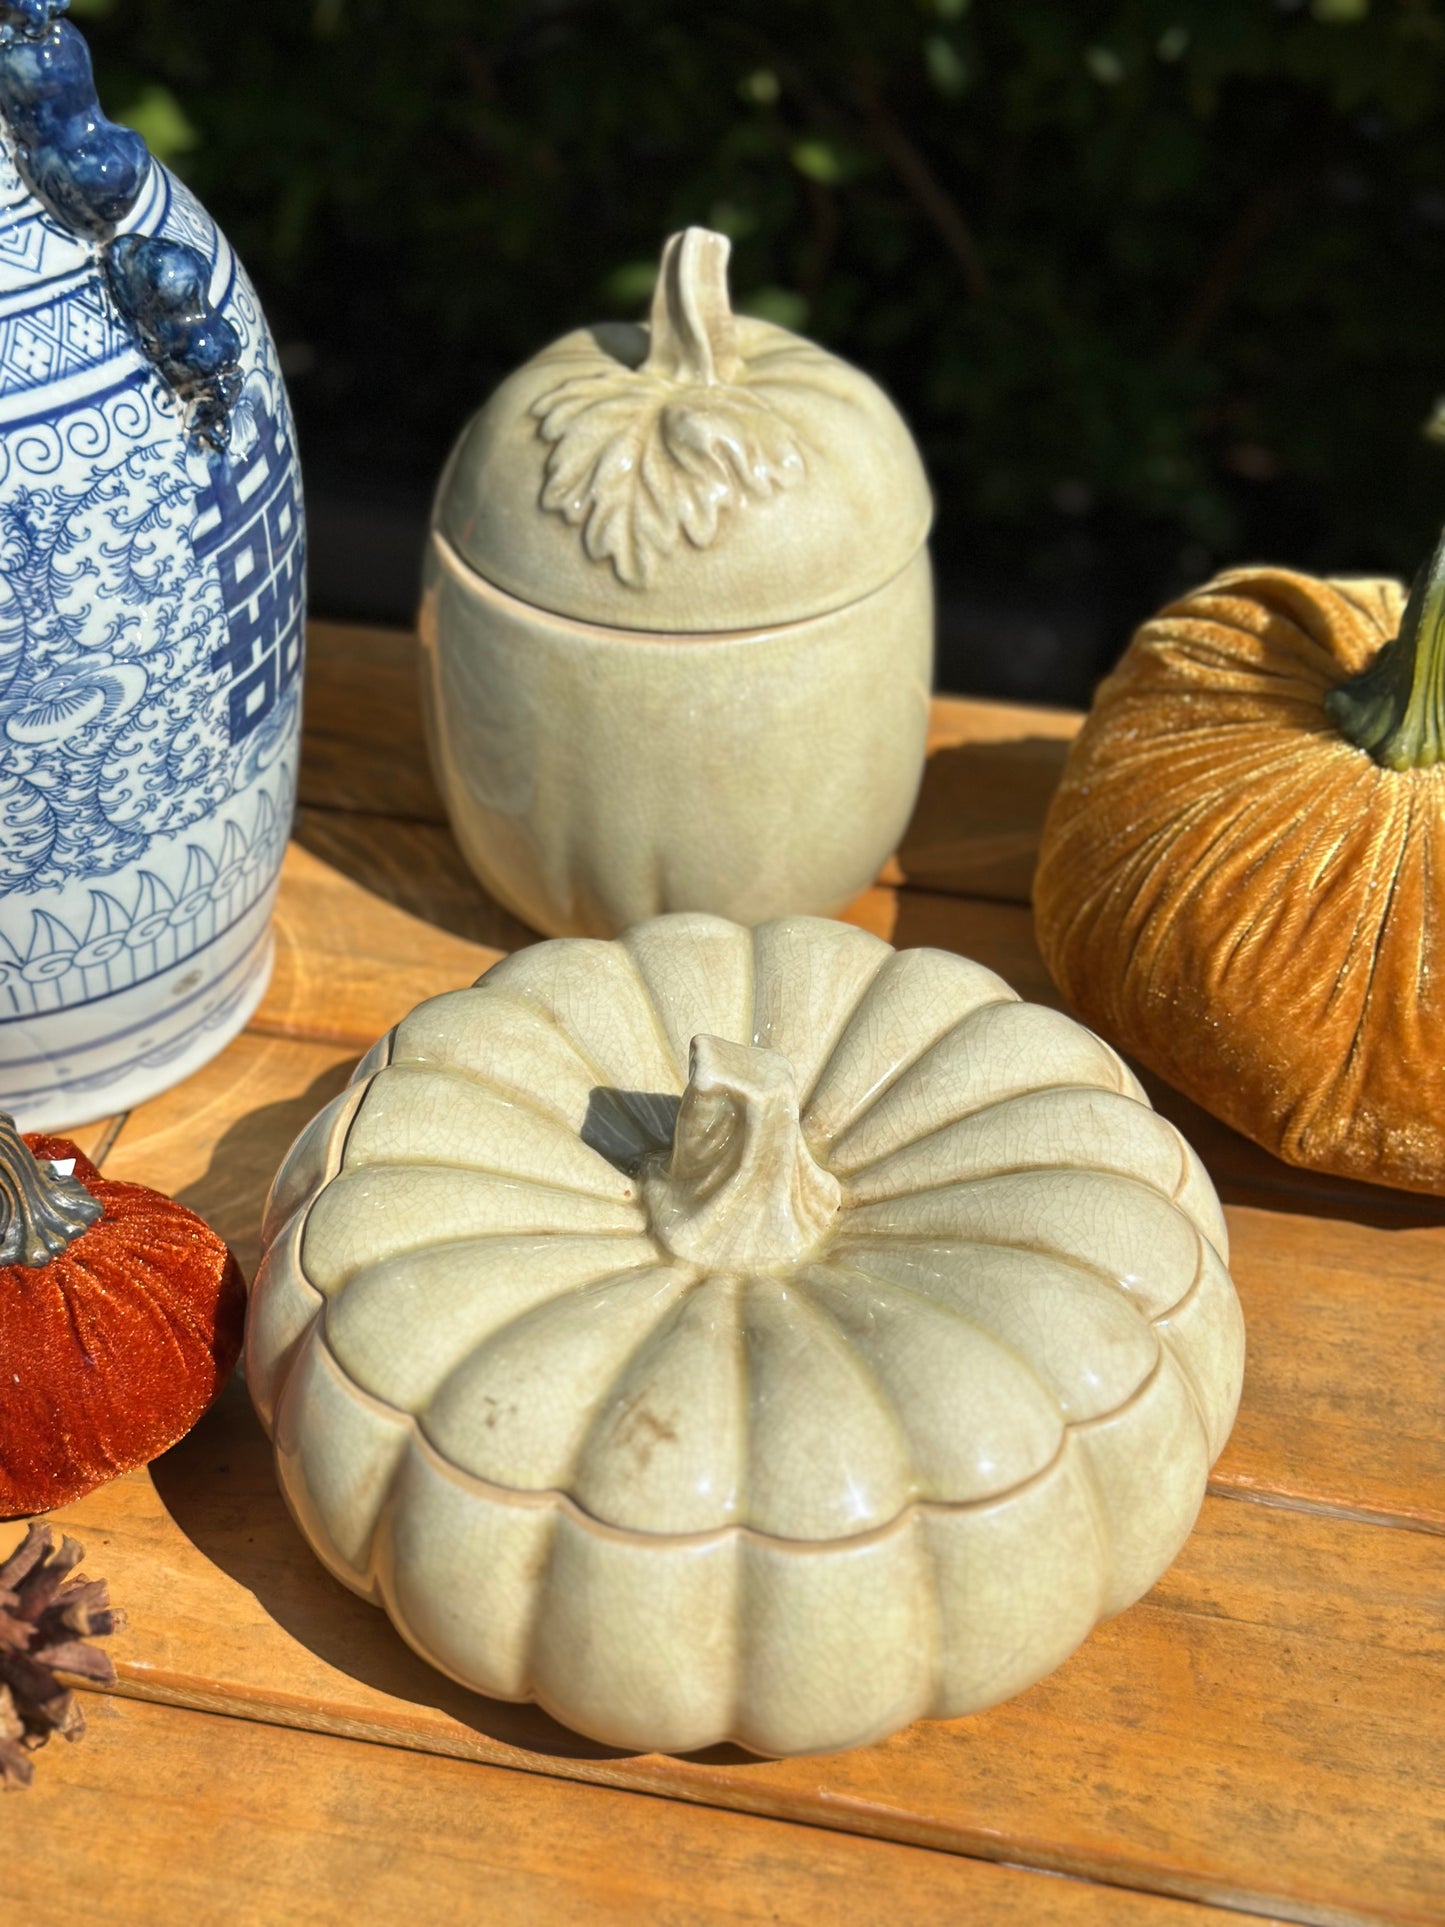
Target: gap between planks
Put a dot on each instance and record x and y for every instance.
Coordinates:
(323, 1847)
(1280, 1501)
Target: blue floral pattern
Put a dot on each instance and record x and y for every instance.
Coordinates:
(116, 727)
(151, 633)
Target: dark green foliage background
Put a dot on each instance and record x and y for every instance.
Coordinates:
(1158, 282)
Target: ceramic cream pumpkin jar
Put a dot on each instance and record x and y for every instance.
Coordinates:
(151, 605)
(754, 1335)
(678, 620)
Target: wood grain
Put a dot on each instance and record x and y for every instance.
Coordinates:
(95, 1139)
(349, 964)
(414, 866)
(361, 732)
(215, 1141)
(1345, 1370)
(1285, 1676)
(1263, 1731)
(991, 770)
(297, 1827)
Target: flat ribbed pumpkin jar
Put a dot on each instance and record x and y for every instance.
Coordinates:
(678, 620)
(753, 1335)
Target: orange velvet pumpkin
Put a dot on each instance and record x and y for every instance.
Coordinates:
(112, 1350)
(1243, 871)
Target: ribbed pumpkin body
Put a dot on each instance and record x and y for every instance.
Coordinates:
(1240, 898)
(881, 1440)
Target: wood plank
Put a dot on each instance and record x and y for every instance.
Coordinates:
(337, 1831)
(984, 719)
(215, 1141)
(1262, 1731)
(1345, 1368)
(416, 867)
(94, 1139)
(991, 770)
(1285, 1676)
(349, 965)
(362, 746)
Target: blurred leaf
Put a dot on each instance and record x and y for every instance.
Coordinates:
(1105, 65)
(726, 217)
(824, 161)
(780, 305)
(760, 86)
(157, 116)
(947, 68)
(629, 287)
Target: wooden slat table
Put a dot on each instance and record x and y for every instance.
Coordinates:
(1263, 1735)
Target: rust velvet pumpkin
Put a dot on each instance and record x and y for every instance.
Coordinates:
(1243, 871)
(119, 1323)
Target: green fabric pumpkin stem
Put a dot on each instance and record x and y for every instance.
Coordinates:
(1395, 709)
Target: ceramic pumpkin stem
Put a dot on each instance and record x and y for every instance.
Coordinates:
(693, 333)
(1395, 709)
(39, 1214)
(739, 1189)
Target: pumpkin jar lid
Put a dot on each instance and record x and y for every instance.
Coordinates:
(707, 472)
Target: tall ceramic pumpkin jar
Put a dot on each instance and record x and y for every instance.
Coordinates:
(151, 605)
(678, 620)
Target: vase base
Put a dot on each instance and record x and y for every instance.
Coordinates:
(67, 1107)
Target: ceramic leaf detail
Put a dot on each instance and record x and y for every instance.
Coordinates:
(638, 462)
(642, 456)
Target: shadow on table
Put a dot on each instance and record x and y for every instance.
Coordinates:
(415, 866)
(220, 1489)
(231, 1193)
(976, 826)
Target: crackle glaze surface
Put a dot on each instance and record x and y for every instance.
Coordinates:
(151, 609)
(678, 620)
(744, 1334)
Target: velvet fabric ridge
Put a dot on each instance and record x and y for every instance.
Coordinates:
(1244, 901)
(111, 1352)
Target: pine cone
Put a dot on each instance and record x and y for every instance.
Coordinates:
(46, 1616)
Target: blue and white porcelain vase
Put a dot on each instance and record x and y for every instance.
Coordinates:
(151, 606)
